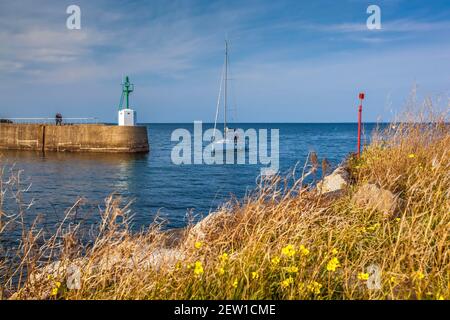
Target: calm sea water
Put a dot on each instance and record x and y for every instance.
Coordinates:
(154, 183)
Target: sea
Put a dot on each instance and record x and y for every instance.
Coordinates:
(152, 184)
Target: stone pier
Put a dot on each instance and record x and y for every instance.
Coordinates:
(74, 138)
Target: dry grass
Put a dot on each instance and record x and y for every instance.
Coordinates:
(279, 243)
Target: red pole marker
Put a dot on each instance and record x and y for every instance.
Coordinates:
(361, 98)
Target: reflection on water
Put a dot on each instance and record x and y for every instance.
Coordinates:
(124, 173)
(58, 179)
(12, 155)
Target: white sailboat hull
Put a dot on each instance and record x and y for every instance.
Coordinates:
(227, 145)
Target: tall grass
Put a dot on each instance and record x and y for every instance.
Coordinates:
(278, 243)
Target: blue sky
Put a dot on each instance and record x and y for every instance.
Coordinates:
(291, 61)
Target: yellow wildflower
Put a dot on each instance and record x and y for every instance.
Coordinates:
(287, 282)
(198, 268)
(363, 276)
(411, 155)
(255, 275)
(393, 280)
(440, 297)
(418, 275)
(275, 261)
(54, 292)
(224, 257)
(303, 250)
(221, 271)
(333, 264)
(288, 251)
(373, 227)
(397, 219)
(198, 244)
(292, 269)
(235, 283)
(334, 251)
(314, 287)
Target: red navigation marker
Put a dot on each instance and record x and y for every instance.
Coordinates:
(361, 98)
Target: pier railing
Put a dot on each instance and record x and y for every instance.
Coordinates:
(65, 121)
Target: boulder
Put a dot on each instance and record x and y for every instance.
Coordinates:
(336, 182)
(371, 196)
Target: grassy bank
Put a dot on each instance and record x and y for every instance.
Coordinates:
(279, 243)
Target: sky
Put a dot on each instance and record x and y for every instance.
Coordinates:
(290, 61)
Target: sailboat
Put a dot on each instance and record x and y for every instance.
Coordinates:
(231, 138)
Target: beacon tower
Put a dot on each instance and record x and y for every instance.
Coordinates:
(127, 116)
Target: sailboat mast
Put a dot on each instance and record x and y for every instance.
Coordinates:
(226, 84)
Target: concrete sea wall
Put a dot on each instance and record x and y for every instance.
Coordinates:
(74, 138)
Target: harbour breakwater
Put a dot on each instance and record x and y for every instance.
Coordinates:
(74, 138)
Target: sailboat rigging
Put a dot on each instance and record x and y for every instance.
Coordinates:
(230, 136)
